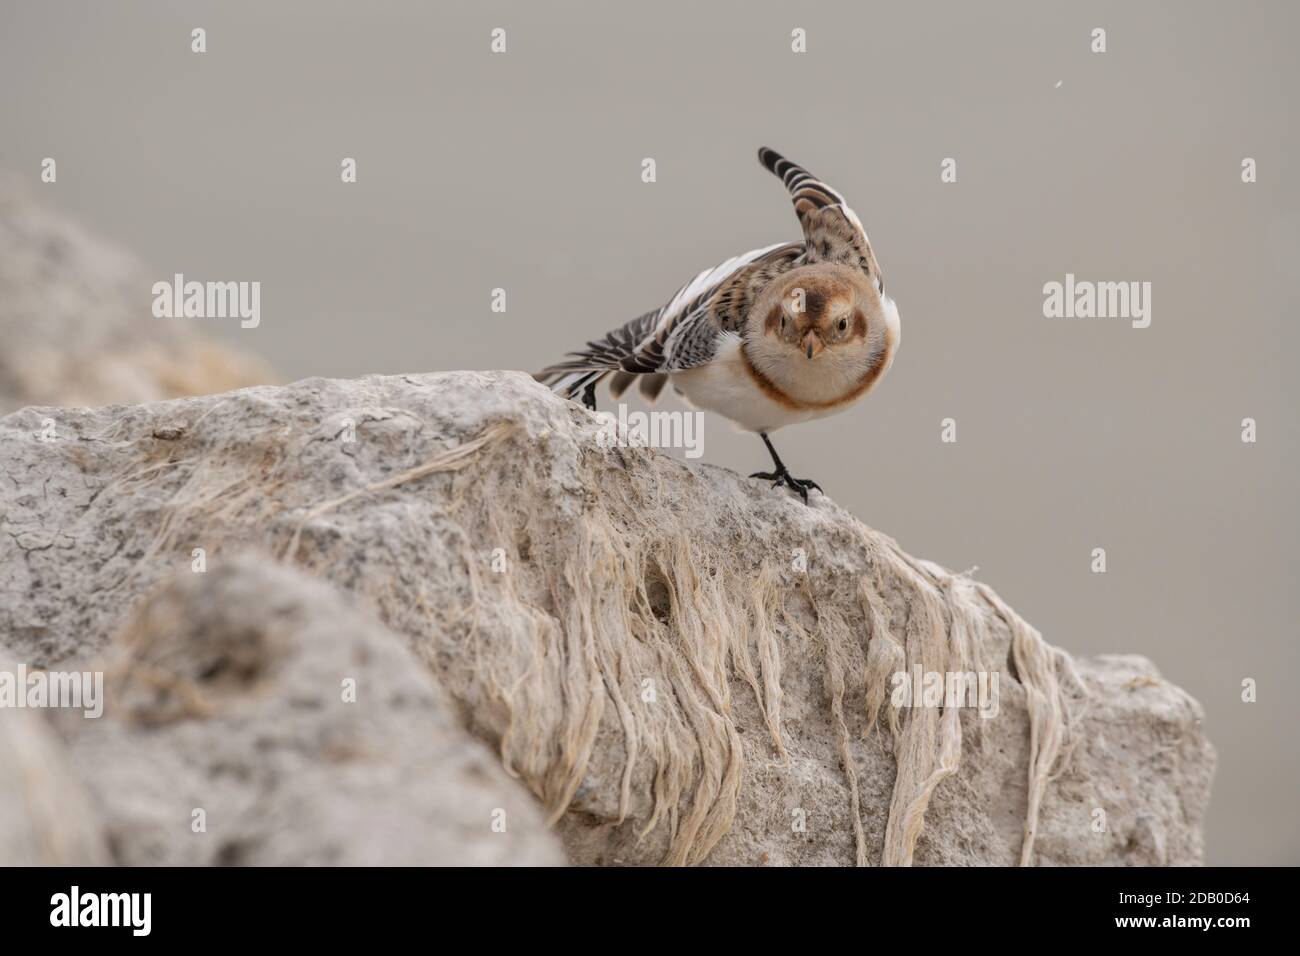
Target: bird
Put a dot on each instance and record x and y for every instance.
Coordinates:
(780, 335)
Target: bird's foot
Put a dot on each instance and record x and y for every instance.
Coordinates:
(783, 477)
(589, 397)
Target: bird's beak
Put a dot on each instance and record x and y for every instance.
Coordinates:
(812, 344)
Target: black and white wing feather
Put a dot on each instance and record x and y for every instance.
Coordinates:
(681, 334)
(832, 230)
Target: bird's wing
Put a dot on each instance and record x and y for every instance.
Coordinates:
(832, 230)
(685, 335)
(680, 334)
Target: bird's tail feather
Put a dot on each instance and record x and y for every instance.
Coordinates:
(599, 359)
(652, 384)
(649, 384)
(619, 382)
(568, 381)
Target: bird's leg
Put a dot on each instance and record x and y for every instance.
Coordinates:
(589, 396)
(782, 475)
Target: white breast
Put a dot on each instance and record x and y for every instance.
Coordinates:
(726, 387)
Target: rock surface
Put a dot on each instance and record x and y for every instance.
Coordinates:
(683, 665)
(255, 718)
(76, 321)
(47, 817)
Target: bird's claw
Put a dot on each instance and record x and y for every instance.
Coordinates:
(589, 397)
(784, 477)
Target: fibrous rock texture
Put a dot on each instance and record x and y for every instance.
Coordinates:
(77, 325)
(682, 665)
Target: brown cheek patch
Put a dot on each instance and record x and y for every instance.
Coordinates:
(773, 319)
(859, 325)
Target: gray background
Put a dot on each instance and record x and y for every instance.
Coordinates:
(523, 171)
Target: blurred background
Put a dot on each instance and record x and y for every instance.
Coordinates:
(522, 171)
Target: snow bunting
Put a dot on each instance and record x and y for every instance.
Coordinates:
(777, 336)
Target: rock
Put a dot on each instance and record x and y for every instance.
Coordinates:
(76, 321)
(47, 818)
(254, 718)
(682, 665)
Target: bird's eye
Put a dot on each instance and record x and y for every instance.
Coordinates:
(844, 325)
(782, 323)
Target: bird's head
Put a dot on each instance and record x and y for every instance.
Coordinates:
(817, 329)
(818, 309)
